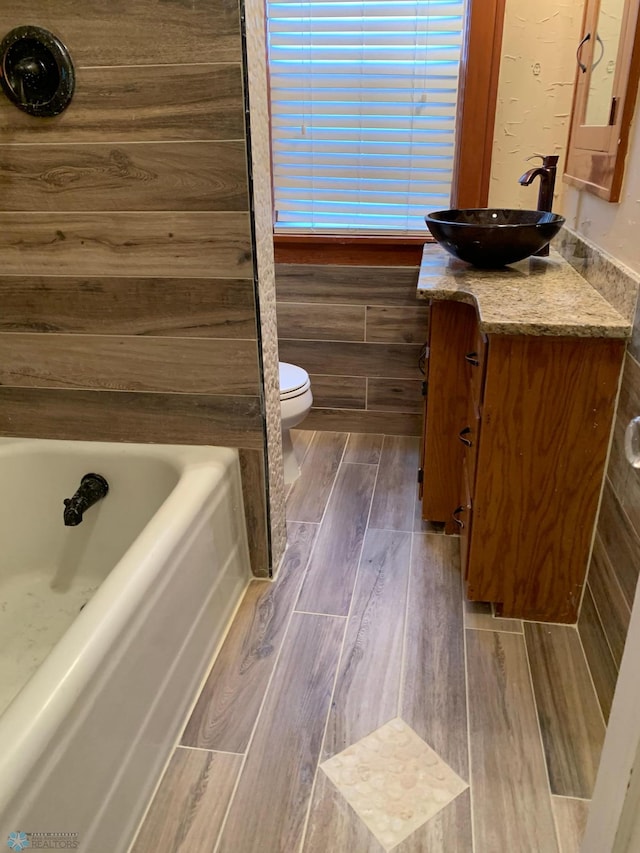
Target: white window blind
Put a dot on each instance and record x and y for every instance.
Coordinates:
(363, 100)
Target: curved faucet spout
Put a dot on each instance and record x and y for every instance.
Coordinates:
(93, 487)
(529, 176)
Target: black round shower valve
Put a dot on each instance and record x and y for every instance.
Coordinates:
(36, 71)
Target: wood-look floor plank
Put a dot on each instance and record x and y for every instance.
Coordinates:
(511, 802)
(620, 541)
(308, 497)
(151, 31)
(363, 448)
(449, 830)
(602, 666)
(613, 610)
(335, 828)
(433, 700)
(105, 305)
(330, 577)
(268, 810)
(333, 824)
(394, 500)
(149, 243)
(228, 706)
(571, 821)
(479, 615)
(189, 806)
(368, 684)
(130, 363)
(132, 416)
(570, 719)
(134, 176)
(164, 102)
(301, 439)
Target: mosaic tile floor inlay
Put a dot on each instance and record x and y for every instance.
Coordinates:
(393, 781)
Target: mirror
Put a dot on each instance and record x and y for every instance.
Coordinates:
(608, 66)
(603, 65)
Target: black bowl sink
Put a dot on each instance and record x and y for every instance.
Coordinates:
(487, 237)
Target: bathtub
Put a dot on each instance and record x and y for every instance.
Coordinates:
(108, 628)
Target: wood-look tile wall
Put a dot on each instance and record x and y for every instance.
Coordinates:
(615, 563)
(126, 274)
(358, 332)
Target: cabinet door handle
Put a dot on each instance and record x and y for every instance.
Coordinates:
(457, 520)
(461, 435)
(472, 358)
(581, 64)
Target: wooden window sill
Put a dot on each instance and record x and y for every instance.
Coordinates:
(357, 250)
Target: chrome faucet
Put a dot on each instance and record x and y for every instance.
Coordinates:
(547, 174)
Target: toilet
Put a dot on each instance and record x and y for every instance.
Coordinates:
(295, 402)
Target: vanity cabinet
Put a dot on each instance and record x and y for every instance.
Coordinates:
(515, 442)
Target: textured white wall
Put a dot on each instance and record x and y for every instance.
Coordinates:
(532, 116)
(613, 227)
(534, 95)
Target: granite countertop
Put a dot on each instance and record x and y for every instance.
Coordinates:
(537, 296)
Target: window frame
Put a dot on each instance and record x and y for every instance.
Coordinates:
(475, 120)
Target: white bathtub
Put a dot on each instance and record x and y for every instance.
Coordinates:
(102, 688)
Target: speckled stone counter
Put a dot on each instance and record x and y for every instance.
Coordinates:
(538, 296)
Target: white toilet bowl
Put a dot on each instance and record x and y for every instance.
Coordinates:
(295, 402)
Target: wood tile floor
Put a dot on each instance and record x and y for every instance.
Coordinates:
(365, 624)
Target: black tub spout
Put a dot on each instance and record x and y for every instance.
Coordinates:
(93, 487)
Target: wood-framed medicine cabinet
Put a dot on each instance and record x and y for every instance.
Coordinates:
(604, 97)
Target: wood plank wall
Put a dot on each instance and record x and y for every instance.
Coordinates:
(126, 274)
(358, 331)
(615, 563)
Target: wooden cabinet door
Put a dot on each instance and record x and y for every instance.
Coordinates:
(452, 326)
(546, 421)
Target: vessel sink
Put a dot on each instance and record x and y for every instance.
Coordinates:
(492, 237)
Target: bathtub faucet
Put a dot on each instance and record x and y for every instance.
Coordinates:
(92, 488)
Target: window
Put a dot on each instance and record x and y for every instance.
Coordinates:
(363, 99)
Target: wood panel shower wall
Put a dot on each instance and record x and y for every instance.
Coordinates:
(127, 308)
(358, 331)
